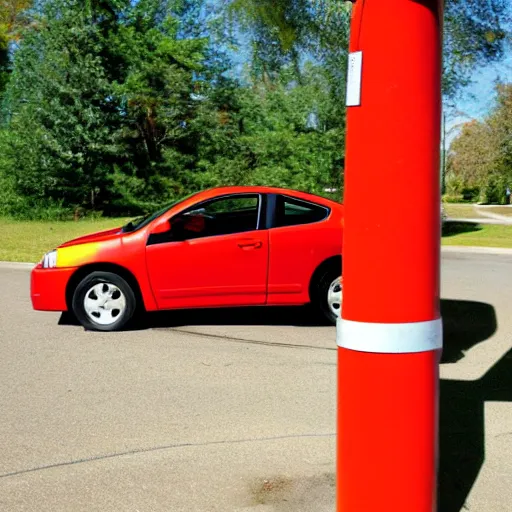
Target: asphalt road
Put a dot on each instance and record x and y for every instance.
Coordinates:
(231, 410)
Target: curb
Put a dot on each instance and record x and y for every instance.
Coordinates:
(16, 266)
(476, 250)
(492, 205)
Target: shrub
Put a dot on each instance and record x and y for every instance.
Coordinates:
(453, 198)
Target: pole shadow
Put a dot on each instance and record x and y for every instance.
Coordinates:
(462, 426)
(465, 324)
(456, 227)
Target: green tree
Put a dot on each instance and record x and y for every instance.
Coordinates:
(12, 18)
(500, 122)
(284, 135)
(99, 105)
(157, 93)
(470, 160)
(62, 121)
(475, 32)
(120, 106)
(480, 158)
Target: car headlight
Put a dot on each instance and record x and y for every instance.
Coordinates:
(50, 259)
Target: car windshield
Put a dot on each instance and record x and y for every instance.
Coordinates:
(140, 222)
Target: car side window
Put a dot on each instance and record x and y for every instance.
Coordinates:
(222, 216)
(293, 212)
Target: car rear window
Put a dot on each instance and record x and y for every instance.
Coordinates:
(293, 212)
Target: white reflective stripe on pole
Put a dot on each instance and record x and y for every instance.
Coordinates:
(406, 338)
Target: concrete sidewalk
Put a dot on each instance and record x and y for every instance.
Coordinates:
(481, 209)
(484, 216)
(499, 220)
(475, 250)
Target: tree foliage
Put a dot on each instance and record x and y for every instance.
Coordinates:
(475, 32)
(480, 160)
(13, 16)
(98, 103)
(119, 106)
(284, 135)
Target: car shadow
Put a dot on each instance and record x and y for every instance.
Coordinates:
(296, 316)
(302, 316)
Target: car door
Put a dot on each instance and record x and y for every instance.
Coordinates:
(300, 239)
(215, 255)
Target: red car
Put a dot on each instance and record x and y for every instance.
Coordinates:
(231, 246)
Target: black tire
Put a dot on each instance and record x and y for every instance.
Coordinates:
(319, 293)
(107, 279)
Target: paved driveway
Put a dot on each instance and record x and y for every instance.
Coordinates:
(231, 410)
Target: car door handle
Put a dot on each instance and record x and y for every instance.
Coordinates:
(250, 244)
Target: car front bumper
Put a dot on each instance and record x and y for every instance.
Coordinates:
(48, 288)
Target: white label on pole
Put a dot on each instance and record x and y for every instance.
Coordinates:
(355, 69)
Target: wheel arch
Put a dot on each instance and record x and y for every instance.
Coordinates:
(332, 262)
(121, 271)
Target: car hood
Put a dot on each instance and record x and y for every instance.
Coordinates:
(100, 236)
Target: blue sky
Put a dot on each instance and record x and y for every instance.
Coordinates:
(480, 97)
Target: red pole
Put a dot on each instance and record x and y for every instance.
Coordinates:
(390, 333)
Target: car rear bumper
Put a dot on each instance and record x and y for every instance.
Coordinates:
(48, 288)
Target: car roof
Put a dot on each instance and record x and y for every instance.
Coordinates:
(307, 196)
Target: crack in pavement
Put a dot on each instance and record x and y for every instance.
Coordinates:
(244, 340)
(160, 448)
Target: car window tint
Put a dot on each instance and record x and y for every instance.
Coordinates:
(227, 215)
(234, 205)
(292, 212)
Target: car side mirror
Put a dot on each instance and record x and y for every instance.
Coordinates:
(161, 227)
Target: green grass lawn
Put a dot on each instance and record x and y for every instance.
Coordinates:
(28, 241)
(483, 235)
